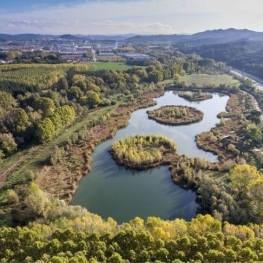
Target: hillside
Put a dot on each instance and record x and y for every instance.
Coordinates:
(209, 36)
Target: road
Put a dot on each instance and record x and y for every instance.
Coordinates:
(94, 55)
(256, 81)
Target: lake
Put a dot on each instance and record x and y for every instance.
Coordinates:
(110, 190)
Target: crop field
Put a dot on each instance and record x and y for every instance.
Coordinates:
(33, 77)
(111, 65)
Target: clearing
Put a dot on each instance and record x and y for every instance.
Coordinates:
(205, 79)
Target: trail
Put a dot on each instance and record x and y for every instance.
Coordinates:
(25, 157)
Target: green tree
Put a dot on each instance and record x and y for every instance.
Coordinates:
(63, 84)
(46, 105)
(155, 76)
(45, 130)
(67, 114)
(7, 143)
(92, 99)
(12, 196)
(6, 100)
(20, 120)
(254, 133)
(37, 200)
(75, 93)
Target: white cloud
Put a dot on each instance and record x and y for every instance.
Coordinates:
(142, 16)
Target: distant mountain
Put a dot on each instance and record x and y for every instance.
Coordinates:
(206, 37)
(5, 36)
(24, 36)
(68, 36)
(157, 38)
(106, 37)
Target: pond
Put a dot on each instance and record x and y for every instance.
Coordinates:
(110, 190)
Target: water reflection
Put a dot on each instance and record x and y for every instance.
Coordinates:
(110, 190)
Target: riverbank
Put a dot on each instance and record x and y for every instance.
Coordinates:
(77, 162)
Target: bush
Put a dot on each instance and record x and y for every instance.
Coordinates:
(12, 196)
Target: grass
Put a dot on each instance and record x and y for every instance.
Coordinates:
(204, 79)
(36, 156)
(111, 65)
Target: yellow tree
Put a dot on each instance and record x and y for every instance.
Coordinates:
(243, 176)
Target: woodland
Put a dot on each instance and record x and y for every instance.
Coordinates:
(243, 54)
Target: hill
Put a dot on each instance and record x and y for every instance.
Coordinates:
(209, 36)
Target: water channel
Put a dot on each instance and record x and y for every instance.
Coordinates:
(110, 190)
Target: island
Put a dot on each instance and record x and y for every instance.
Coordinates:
(143, 151)
(195, 96)
(175, 115)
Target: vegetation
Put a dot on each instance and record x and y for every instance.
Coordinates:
(87, 238)
(111, 66)
(243, 54)
(143, 151)
(203, 80)
(195, 96)
(53, 116)
(176, 115)
(237, 136)
(31, 57)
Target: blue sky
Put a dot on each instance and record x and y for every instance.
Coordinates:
(126, 16)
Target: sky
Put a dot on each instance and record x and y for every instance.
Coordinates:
(90, 17)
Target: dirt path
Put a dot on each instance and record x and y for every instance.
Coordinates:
(4, 174)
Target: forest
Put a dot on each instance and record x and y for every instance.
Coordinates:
(51, 119)
(243, 54)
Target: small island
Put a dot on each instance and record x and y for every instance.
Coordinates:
(176, 115)
(143, 151)
(195, 96)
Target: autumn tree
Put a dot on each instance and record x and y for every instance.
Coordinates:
(242, 176)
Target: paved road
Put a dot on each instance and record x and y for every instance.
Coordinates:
(256, 81)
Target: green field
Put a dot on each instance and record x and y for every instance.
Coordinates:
(204, 79)
(111, 65)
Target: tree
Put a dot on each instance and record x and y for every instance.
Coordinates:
(7, 143)
(37, 200)
(254, 133)
(75, 93)
(46, 105)
(6, 100)
(20, 120)
(242, 176)
(155, 76)
(45, 130)
(63, 84)
(92, 98)
(67, 114)
(12, 196)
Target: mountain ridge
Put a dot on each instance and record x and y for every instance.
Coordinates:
(210, 36)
